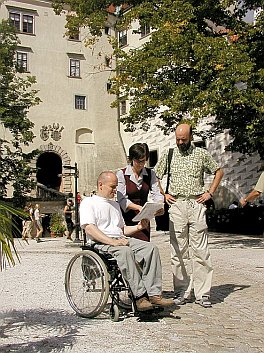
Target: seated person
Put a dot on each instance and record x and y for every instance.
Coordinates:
(102, 220)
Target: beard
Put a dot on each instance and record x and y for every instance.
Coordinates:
(184, 146)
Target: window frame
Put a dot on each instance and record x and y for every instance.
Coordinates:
(22, 60)
(74, 70)
(122, 38)
(145, 30)
(78, 105)
(14, 22)
(123, 107)
(23, 25)
(24, 22)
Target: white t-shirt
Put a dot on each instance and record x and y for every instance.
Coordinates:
(36, 214)
(103, 213)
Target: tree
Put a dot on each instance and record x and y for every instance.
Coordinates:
(16, 97)
(202, 59)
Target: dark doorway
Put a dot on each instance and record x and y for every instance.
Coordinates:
(49, 167)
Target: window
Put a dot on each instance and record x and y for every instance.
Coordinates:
(27, 24)
(15, 20)
(144, 30)
(107, 31)
(80, 102)
(22, 61)
(24, 23)
(123, 107)
(75, 68)
(122, 38)
(75, 34)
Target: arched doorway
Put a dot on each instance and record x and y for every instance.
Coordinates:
(49, 170)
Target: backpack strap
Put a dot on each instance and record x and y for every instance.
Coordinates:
(169, 166)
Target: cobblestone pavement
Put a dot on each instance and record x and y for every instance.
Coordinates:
(36, 317)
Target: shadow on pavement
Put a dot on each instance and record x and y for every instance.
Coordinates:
(219, 293)
(40, 331)
(235, 241)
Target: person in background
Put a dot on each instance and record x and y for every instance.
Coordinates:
(68, 212)
(191, 261)
(38, 223)
(258, 189)
(28, 223)
(233, 205)
(101, 218)
(135, 183)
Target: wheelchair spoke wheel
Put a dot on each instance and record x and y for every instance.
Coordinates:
(87, 284)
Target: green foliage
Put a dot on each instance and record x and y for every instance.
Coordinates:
(8, 227)
(16, 97)
(201, 59)
(57, 223)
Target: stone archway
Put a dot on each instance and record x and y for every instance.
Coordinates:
(58, 158)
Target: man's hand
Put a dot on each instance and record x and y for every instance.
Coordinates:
(160, 212)
(169, 199)
(243, 202)
(119, 242)
(143, 224)
(204, 197)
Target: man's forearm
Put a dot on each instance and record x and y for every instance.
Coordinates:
(97, 235)
(217, 179)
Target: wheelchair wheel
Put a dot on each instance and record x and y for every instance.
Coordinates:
(114, 313)
(87, 284)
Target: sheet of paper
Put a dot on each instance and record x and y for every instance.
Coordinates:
(148, 211)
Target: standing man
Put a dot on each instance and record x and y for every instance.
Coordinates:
(258, 189)
(191, 262)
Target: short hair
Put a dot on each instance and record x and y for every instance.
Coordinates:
(138, 151)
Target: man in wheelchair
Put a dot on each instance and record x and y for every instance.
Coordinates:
(138, 261)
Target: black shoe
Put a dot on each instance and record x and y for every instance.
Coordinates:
(38, 240)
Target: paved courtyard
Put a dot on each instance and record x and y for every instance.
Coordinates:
(36, 317)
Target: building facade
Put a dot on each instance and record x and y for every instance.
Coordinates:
(74, 123)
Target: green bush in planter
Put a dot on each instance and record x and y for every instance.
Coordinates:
(57, 223)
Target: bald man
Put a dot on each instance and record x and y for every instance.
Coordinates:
(191, 262)
(101, 218)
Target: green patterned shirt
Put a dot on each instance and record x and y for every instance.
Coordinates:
(187, 170)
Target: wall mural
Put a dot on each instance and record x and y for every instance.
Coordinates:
(51, 131)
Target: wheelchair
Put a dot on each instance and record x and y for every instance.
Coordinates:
(91, 277)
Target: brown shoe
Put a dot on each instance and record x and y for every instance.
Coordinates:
(159, 301)
(143, 304)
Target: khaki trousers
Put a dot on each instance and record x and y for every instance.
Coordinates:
(140, 265)
(190, 256)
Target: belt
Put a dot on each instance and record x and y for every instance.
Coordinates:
(184, 197)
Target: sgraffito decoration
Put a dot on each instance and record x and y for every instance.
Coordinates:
(51, 131)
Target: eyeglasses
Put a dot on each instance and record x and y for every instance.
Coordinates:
(140, 161)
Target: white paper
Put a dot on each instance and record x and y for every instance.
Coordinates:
(148, 211)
